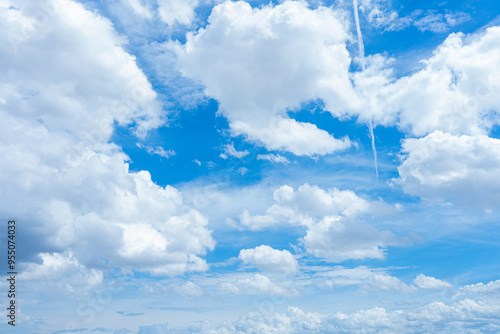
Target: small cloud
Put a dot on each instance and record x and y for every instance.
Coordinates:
(188, 290)
(129, 314)
(274, 158)
(157, 150)
(426, 282)
(198, 162)
(267, 258)
(229, 150)
(242, 170)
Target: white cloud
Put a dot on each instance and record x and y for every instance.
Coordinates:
(426, 282)
(256, 222)
(259, 63)
(379, 15)
(242, 170)
(387, 282)
(309, 204)
(157, 150)
(256, 284)
(438, 22)
(82, 99)
(337, 239)
(64, 82)
(369, 279)
(61, 272)
(289, 135)
(229, 150)
(139, 8)
(376, 13)
(332, 219)
(461, 169)
(177, 11)
(489, 290)
(456, 91)
(188, 290)
(274, 158)
(266, 258)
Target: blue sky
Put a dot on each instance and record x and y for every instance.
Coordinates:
(204, 166)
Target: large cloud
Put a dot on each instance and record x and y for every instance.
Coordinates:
(65, 80)
(260, 63)
(462, 169)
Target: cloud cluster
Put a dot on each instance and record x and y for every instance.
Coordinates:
(65, 81)
(332, 217)
(477, 314)
(379, 15)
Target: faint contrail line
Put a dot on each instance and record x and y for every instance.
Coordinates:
(370, 126)
(360, 37)
(362, 56)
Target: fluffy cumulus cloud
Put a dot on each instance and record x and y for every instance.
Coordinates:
(65, 80)
(462, 169)
(475, 314)
(333, 219)
(62, 273)
(261, 62)
(267, 258)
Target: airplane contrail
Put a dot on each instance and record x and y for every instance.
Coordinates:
(361, 48)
